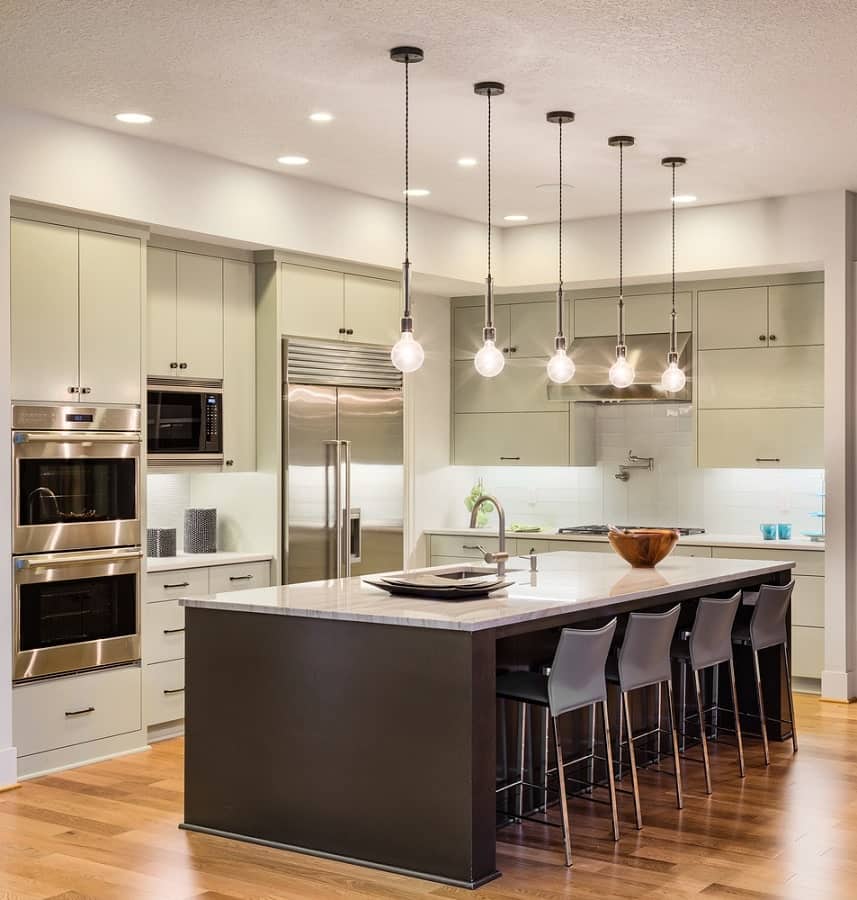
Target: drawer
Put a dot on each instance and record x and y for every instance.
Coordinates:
(179, 583)
(531, 544)
(807, 651)
(163, 692)
(239, 577)
(691, 551)
(808, 601)
(163, 631)
(457, 545)
(807, 562)
(582, 546)
(62, 712)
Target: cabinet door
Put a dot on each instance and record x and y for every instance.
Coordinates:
(312, 302)
(795, 314)
(733, 318)
(533, 329)
(512, 439)
(44, 311)
(467, 324)
(808, 601)
(520, 387)
(239, 366)
(199, 322)
(761, 377)
(373, 312)
(807, 651)
(650, 313)
(761, 438)
(595, 317)
(110, 318)
(161, 351)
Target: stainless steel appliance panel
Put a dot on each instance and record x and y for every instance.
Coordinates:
(75, 611)
(184, 422)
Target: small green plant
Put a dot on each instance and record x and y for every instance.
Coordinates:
(485, 510)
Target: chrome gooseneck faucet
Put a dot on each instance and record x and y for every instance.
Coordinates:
(501, 555)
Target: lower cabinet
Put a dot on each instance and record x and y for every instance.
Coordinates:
(163, 629)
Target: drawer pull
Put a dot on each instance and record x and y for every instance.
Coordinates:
(79, 712)
(174, 690)
(173, 630)
(168, 587)
(511, 457)
(240, 577)
(767, 459)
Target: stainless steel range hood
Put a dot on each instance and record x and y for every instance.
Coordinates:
(647, 354)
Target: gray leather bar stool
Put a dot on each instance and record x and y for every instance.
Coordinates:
(644, 661)
(767, 628)
(576, 681)
(708, 645)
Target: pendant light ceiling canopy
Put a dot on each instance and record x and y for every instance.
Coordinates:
(489, 361)
(674, 378)
(621, 373)
(407, 354)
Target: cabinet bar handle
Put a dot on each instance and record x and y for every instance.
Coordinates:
(174, 365)
(349, 331)
(182, 584)
(173, 630)
(86, 390)
(762, 337)
(240, 577)
(772, 337)
(74, 390)
(510, 457)
(767, 459)
(342, 331)
(80, 712)
(174, 690)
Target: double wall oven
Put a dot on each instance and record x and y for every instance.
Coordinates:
(75, 538)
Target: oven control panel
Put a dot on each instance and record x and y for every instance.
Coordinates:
(212, 422)
(75, 418)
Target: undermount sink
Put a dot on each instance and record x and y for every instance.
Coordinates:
(470, 572)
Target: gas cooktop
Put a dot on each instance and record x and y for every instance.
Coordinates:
(603, 529)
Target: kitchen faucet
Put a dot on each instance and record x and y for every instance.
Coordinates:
(501, 555)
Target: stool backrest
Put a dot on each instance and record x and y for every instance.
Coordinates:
(768, 622)
(644, 657)
(711, 636)
(577, 677)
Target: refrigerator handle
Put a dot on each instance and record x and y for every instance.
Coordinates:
(345, 546)
(337, 502)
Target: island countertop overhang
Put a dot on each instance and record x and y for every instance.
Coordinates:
(595, 584)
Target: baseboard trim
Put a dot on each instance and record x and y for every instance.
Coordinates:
(839, 687)
(10, 787)
(8, 767)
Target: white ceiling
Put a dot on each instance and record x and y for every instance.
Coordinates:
(757, 93)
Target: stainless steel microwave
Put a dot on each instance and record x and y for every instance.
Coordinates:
(184, 422)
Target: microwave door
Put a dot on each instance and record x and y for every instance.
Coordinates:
(175, 421)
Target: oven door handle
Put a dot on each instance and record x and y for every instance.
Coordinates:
(51, 561)
(78, 437)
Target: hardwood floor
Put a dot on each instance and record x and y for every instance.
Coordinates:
(109, 831)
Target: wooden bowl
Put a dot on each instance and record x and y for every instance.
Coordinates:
(643, 548)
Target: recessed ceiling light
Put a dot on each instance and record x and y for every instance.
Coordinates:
(292, 160)
(516, 218)
(131, 118)
(684, 198)
(321, 117)
(417, 192)
(467, 162)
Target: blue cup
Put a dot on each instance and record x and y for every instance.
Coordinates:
(769, 532)
(784, 531)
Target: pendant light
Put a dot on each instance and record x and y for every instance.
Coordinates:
(621, 373)
(673, 379)
(407, 354)
(489, 360)
(560, 365)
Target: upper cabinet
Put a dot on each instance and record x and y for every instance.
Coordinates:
(524, 330)
(239, 366)
(328, 305)
(76, 314)
(185, 315)
(644, 314)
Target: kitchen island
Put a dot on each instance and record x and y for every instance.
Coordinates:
(331, 718)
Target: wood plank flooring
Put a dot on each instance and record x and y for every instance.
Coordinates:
(109, 831)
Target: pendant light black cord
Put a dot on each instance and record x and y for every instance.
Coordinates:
(489, 185)
(407, 161)
(673, 341)
(621, 213)
(560, 207)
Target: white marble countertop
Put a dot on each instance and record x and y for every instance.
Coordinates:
(566, 582)
(709, 539)
(201, 560)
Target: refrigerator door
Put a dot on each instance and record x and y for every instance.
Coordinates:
(312, 508)
(371, 421)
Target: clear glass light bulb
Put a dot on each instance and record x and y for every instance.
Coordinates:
(621, 373)
(489, 360)
(407, 354)
(560, 367)
(673, 379)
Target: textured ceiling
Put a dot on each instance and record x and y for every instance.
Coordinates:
(757, 93)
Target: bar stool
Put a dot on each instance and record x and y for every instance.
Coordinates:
(708, 645)
(767, 628)
(643, 661)
(576, 681)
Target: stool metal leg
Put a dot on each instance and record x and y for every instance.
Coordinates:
(761, 707)
(566, 832)
(547, 754)
(621, 733)
(659, 721)
(614, 809)
(679, 799)
(633, 761)
(592, 749)
(701, 708)
(715, 696)
(682, 699)
(523, 757)
(791, 696)
(738, 735)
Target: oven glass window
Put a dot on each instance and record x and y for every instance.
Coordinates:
(72, 491)
(83, 609)
(174, 422)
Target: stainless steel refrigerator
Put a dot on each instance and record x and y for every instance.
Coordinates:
(342, 461)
